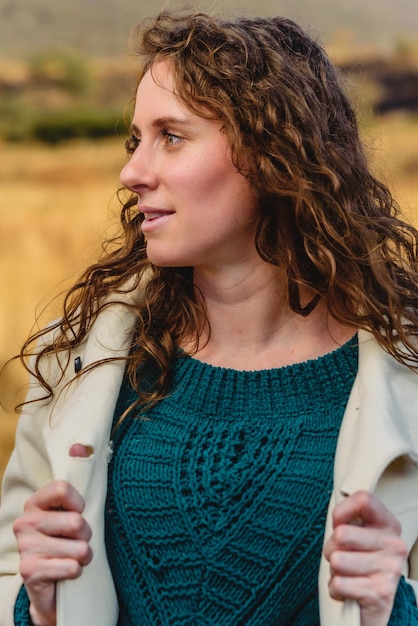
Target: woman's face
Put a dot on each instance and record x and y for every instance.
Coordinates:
(198, 209)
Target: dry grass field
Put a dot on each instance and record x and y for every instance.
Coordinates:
(55, 206)
(57, 203)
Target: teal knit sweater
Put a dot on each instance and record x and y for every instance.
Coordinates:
(217, 497)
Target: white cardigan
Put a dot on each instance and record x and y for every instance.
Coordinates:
(377, 450)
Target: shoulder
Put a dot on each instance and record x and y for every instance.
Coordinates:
(108, 336)
(373, 355)
(388, 387)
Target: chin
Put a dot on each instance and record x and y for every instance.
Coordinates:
(161, 258)
(159, 261)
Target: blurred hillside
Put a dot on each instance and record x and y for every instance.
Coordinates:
(100, 27)
(57, 95)
(64, 70)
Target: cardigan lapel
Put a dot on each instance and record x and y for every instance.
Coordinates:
(83, 414)
(84, 409)
(378, 426)
(376, 430)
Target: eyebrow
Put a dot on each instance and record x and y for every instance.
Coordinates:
(161, 122)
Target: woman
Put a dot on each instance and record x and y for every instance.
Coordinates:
(177, 460)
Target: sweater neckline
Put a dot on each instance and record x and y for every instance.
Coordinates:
(321, 360)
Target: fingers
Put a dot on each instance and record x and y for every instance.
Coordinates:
(54, 523)
(365, 508)
(366, 556)
(42, 555)
(365, 551)
(38, 572)
(355, 538)
(56, 495)
(48, 538)
(53, 541)
(55, 511)
(375, 598)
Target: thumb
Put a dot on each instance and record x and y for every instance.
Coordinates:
(80, 450)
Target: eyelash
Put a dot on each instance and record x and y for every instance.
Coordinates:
(133, 142)
(170, 136)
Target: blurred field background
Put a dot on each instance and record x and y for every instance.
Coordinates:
(65, 82)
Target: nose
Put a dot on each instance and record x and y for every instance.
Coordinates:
(139, 173)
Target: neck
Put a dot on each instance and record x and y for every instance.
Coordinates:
(252, 325)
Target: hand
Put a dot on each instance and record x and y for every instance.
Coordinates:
(366, 555)
(53, 542)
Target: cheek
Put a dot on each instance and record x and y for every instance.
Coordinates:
(210, 179)
(202, 184)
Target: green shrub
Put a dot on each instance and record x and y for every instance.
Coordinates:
(16, 118)
(60, 126)
(60, 68)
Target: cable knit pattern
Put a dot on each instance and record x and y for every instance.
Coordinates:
(217, 498)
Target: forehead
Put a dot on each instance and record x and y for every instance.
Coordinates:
(158, 83)
(157, 98)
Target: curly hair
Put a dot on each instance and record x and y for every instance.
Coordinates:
(323, 217)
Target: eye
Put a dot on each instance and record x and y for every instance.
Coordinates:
(131, 144)
(170, 138)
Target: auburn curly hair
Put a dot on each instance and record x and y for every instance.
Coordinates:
(323, 217)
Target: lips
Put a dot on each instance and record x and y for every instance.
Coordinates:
(153, 219)
(149, 217)
(151, 214)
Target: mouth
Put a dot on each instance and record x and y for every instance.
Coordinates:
(153, 218)
(150, 213)
(150, 216)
